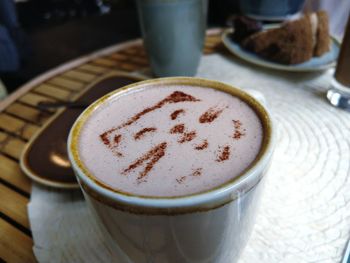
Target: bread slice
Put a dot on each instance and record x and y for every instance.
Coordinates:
(296, 41)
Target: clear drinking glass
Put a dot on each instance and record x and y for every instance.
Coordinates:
(173, 33)
(339, 92)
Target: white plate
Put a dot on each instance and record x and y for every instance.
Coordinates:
(324, 62)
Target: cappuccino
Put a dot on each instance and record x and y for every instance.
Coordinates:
(173, 140)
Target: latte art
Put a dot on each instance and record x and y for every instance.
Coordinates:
(170, 140)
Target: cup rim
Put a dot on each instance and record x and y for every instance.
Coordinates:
(251, 174)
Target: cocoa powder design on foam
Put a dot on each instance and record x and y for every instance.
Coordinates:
(141, 133)
(175, 97)
(224, 154)
(238, 132)
(181, 180)
(179, 128)
(202, 146)
(176, 113)
(156, 153)
(117, 139)
(152, 156)
(210, 115)
(186, 135)
(197, 172)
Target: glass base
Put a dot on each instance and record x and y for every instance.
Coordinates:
(339, 95)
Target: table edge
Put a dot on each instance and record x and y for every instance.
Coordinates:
(64, 67)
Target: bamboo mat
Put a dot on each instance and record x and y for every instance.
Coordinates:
(20, 119)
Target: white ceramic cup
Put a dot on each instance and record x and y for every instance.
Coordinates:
(208, 227)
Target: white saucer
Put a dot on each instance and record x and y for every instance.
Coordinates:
(324, 62)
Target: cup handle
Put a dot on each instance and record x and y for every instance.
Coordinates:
(257, 95)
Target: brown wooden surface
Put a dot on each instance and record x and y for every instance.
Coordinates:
(20, 120)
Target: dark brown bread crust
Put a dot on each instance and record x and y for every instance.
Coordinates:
(322, 35)
(289, 44)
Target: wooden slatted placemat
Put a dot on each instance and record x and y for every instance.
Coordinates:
(20, 119)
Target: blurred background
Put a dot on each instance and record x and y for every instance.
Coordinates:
(38, 35)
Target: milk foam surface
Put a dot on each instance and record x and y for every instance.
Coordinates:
(170, 141)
